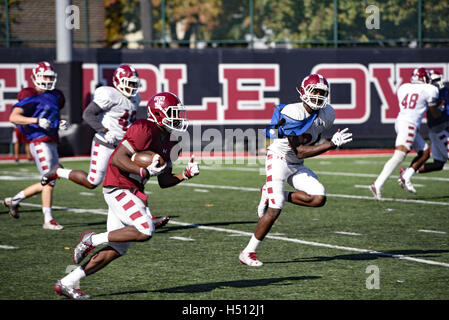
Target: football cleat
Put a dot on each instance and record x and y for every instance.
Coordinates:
(83, 248)
(50, 175)
(70, 292)
(263, 203)
(375, 192)
(13, 208)
(250, 259)
(159, 222)
(52, 225)
(405, 184)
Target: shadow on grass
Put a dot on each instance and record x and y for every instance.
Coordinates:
(206, 287)
(371, 256)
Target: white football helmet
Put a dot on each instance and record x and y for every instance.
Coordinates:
(437, 79)
(126, 80)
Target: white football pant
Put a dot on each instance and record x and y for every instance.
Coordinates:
(45, 156)
(408, 136)
(126, 209)
(279, 171)
(99, 158)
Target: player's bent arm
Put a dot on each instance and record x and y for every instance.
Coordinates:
(90, 116)
(17, 117)
(307, 151)
(434, 111)
(122, 160)
(168, 179)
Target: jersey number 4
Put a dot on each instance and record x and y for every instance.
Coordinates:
(125, 120)
(410, 103)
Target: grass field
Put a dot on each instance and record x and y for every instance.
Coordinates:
(311, 253)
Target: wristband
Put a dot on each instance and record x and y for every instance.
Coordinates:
(141, 172)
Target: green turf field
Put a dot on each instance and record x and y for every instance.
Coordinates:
(311, 253)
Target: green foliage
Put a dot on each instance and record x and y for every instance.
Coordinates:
(307, 21)
(12, 4)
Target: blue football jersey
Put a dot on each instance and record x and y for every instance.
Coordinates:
(45, 105)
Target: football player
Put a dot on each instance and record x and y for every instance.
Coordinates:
(129, 218)
(296, 129)
(415, 99)
(37, 116)
(111, 112)
(438, 128)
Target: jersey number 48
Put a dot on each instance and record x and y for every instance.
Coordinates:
(410, 103)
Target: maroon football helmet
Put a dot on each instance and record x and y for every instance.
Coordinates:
(420, 75)
(126, 80)
(314, 91)
(44, 76)
(167, 111)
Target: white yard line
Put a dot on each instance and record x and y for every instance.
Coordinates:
(348, 196)
(182, 238)
(8, 247)
(348, 233)
(432, 231)
(249, 234)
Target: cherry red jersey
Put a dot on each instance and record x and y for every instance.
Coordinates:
(141, 135)
(27, 92)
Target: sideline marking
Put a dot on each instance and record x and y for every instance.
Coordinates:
(8, 247)
(348, 196)
(348, 233)
(432, 231)
(249, 234)
(182, 238)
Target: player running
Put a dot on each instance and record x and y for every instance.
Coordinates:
(296, 128)
(37, 115)
(111, 112)
(415, 99)
(438, 128)
(129, 218)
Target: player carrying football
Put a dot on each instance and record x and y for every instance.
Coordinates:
(129, 218)
(37, 115)
(111, 112)
(296, 128)
(415, 99)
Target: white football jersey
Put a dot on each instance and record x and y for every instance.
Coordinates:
(119, 111)
(414, 99)
(296, 111)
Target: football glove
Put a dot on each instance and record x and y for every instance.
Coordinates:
(192, 169)
(44, 123)
(154, 169)
(63, 125)
(109, 137)
(341, 137)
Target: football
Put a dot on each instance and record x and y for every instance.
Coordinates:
(144, 158)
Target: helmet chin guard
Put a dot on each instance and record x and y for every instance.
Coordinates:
(168, 112)
(314, 91)
(44, 77)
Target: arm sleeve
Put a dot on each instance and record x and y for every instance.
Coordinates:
(90, 116)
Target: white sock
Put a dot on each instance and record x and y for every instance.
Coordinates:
(389, 167)
(100, 238)
(408, 173)
(47, 214)
(73, 278)
(18, 197)
(63, 173)
(253, 244)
